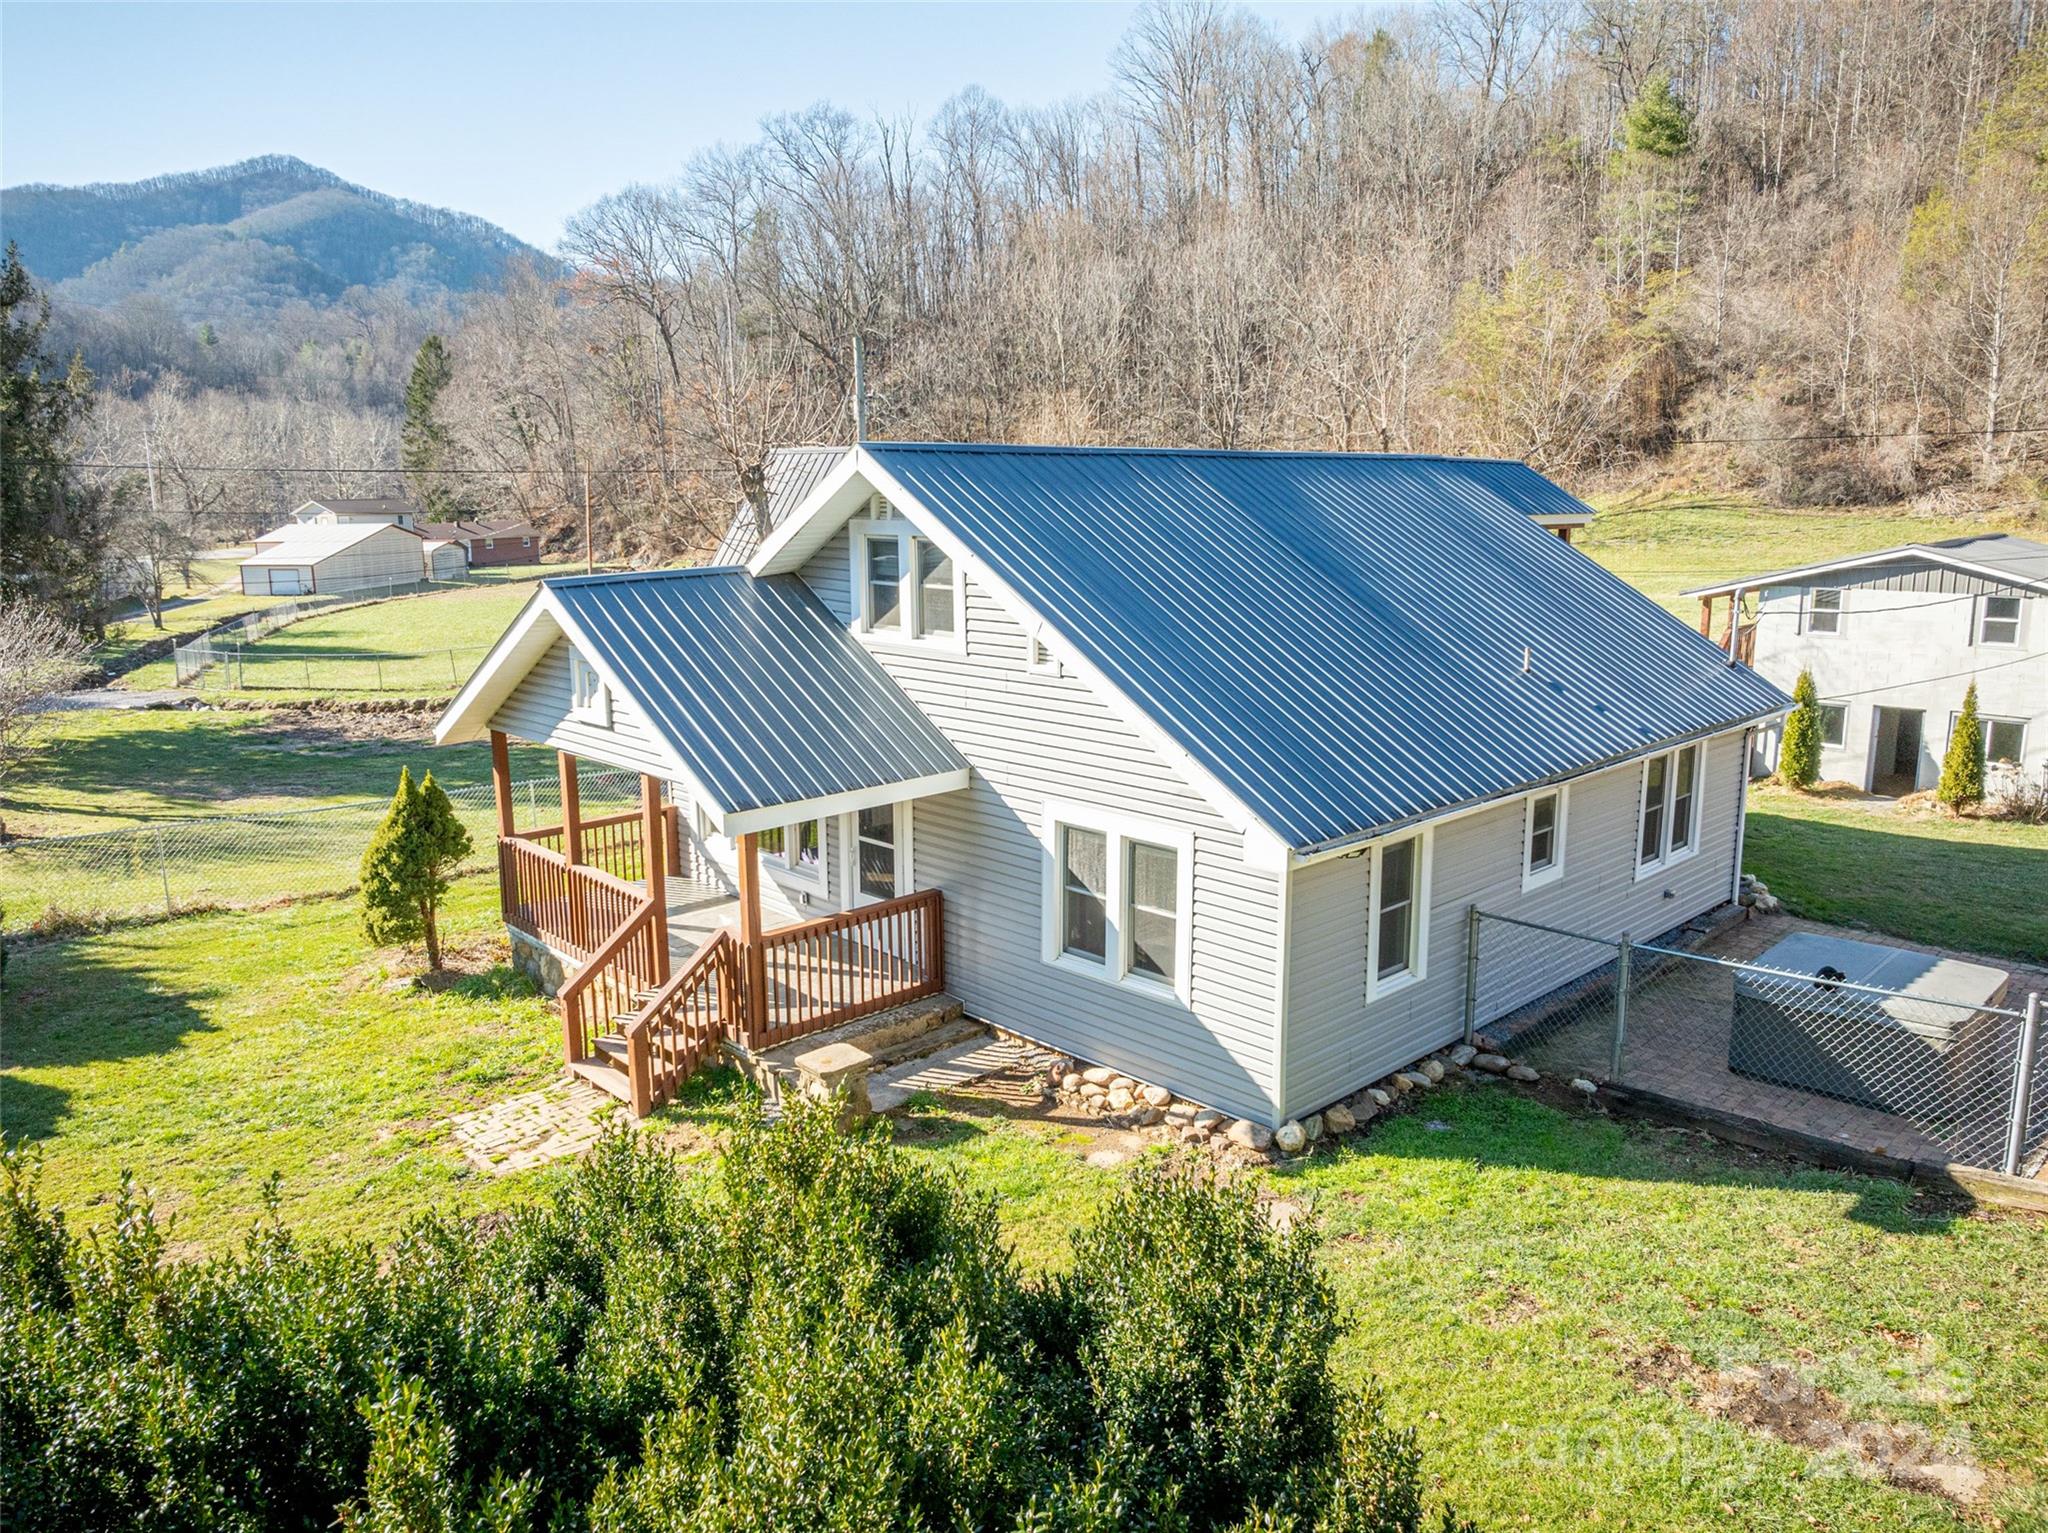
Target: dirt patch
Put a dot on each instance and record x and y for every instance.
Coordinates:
(1779, 1401)
(1514, 1305)
(344, 731)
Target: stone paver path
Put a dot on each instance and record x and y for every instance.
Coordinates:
(534, 1127)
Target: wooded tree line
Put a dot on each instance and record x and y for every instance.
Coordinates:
(1795, 245)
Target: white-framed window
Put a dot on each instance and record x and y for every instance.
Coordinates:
(490, 543)
(797, 851)
(589, 698)
(1998, 620)
(1119, 898)
(879, 865)
(1543, 823)
(2004, 739)
(1397, 929)
(526, 542)
(907, 587)
(1834, 723)
(1823, 610)
(1668, 824)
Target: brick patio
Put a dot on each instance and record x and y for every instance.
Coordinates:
(1677, 1044)
(533, 1128)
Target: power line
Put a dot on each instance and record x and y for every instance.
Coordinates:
(1854, 436)
(408, 473)
(1893, 686)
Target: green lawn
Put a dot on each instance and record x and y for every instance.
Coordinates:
(103, 769)
(414, 646)
(1979, 885)
(1518, 1275)
(1671, 544)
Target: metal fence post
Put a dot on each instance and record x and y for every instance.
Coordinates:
(163, 871)
(1620, 1008)
(2023, 1086)
(1471, 969)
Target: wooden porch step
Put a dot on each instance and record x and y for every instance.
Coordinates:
(605, 1075)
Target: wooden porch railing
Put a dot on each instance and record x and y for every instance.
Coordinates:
(612, 843)
(682, 1025)
(574, 907)
(824, 972)
(613, 986)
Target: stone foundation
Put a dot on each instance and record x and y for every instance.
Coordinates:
(548, 969)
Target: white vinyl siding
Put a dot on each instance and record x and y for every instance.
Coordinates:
(1033, 739)
(1337, 1042)
(541, 709)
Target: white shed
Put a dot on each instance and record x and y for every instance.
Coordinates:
(327, 559)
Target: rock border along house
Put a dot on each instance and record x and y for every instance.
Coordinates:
(1185, 762)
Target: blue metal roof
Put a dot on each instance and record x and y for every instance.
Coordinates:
(1338, 638)
(761, 694)
(791, 474)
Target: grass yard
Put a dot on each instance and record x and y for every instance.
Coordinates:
(1668, 545)
(414, 646)
(1978, 885)
(103, 769)
(1539, 1289)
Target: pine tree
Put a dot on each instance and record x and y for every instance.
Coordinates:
(53, 530)
(408, 864)
(1658, 123)
(1962, 769)
(1799, 758)
(423, 439)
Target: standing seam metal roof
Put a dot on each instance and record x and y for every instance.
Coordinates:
(758, 691)
(1338, 638)
(792, 473)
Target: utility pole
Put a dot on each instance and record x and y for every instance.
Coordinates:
(588, 565)
(860, 392)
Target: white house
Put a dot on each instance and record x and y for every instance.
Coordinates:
(1893, 640)
(332, 511)
(329, 558)
(1188, 763)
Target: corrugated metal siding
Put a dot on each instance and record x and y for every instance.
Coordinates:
(753, 685)
(1336, 1043)
(792, 473)
(1911, 575)
(1031, 739)
(1337, 638)
(538, 710)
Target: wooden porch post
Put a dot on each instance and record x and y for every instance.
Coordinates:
(501, 780)
(1706, 616)
(572, 808)
(651, 825)
(753, 959)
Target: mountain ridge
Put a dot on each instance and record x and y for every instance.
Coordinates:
(235, 241)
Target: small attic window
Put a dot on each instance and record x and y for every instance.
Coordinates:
(590, 700)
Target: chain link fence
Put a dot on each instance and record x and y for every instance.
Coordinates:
(195, 657)
(413, 674)
(1918, 1075)
(171, 867)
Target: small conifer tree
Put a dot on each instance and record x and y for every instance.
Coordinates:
(1799, 758)
(408, 864)
(1962, 769)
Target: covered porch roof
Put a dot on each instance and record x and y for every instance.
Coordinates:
(769, 710)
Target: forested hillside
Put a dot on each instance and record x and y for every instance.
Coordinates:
(1794, 246)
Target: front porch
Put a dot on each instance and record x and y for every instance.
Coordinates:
(665, 960)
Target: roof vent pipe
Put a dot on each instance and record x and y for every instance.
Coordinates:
(1526, 659)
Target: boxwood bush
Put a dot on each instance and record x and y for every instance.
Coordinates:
(822, 1334)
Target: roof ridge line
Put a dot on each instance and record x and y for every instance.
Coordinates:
(1319, 454)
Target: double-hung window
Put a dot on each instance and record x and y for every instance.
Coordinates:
(1543, 839)
(1998, 620)
(909, 588)
(1118, 898)
(796, 851)
(1668, 829)
(1397, 938)
(1823, 611)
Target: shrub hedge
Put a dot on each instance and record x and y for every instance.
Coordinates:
(823, 1334)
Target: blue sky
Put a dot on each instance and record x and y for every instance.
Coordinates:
(522, 113)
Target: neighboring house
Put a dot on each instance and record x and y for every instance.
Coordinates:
(487, 544)
(1894, 639)
(329, 558)
(333, 512)
(1189, 763)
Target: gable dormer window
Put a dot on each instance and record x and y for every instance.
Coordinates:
(907, 588)
(590, 700)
